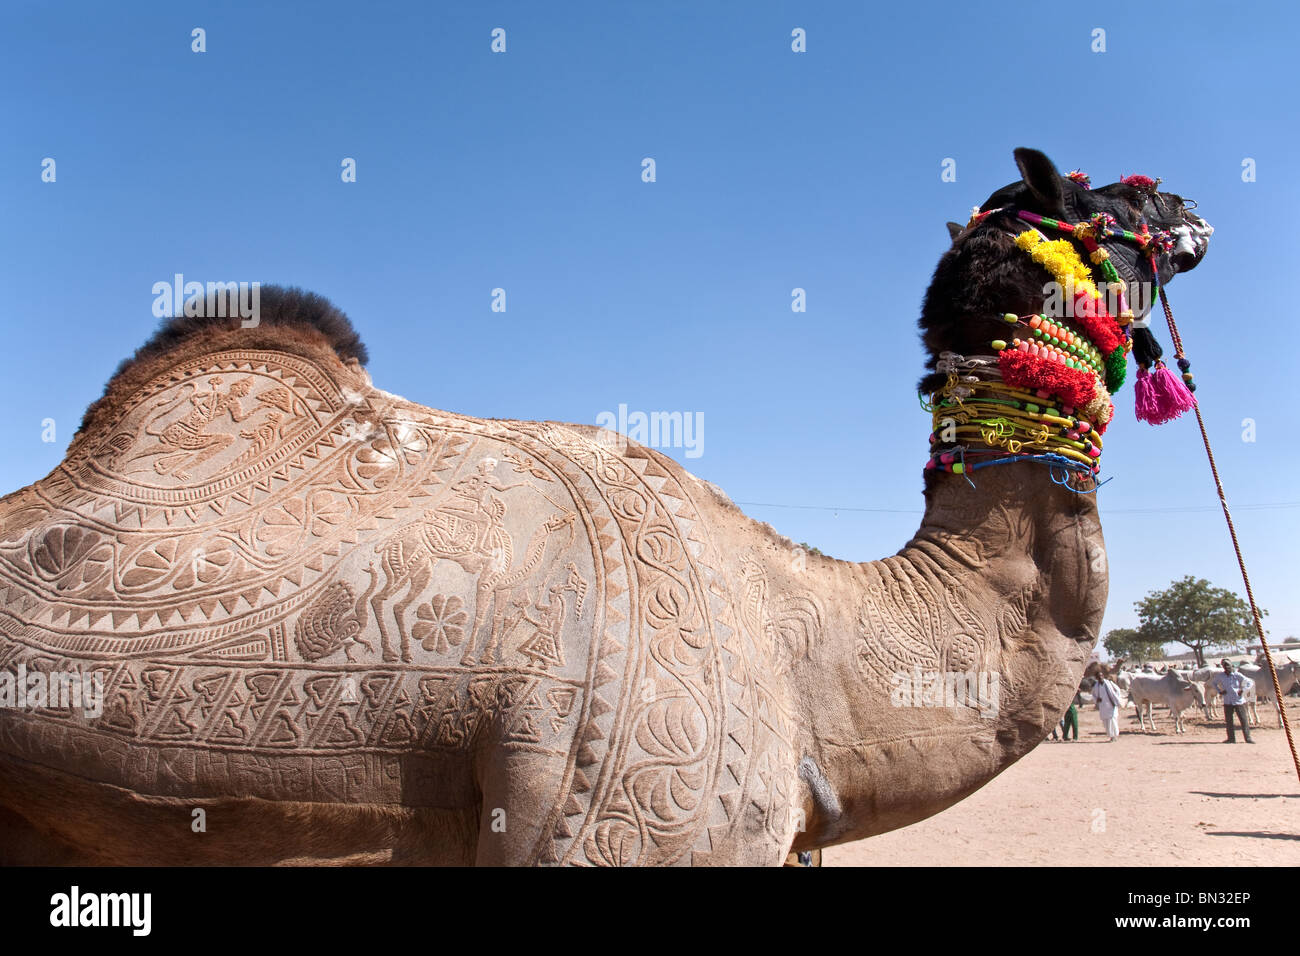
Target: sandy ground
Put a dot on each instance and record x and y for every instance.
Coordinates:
(1153, 799)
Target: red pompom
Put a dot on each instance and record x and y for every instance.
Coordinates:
(1140, 182)
(1071, 385)
(1102, 330)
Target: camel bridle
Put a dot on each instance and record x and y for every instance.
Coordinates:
(1100, 228)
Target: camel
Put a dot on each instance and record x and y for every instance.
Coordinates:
(408, 559)
(1113, 670)
(715, 694)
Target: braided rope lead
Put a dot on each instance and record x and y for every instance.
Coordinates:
(1236, 545)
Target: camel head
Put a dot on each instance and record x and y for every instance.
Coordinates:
(1148, 235)
(1096, 670)
(1132, 201)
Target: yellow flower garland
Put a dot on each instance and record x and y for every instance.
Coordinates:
(1059, 258)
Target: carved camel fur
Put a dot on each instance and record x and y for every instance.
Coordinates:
(721, 697)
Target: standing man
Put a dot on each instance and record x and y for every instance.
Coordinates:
(1106, 694)
(1071, 719)
(1234, 687)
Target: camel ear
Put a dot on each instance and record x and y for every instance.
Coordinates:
(1042, 179)
(954, 230)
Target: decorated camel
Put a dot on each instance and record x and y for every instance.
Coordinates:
(301, 599)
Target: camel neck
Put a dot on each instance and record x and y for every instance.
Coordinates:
(1008, 513)
(1003, 587)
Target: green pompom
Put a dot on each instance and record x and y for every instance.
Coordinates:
(1116, 369)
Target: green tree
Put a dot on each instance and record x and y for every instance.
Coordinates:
(1129, 643)
(1192, 613)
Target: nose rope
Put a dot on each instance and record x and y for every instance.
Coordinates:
(1236, 545)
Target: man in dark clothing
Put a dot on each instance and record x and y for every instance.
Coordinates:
(1071, 718)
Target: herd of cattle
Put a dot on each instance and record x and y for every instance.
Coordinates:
(1180, 690)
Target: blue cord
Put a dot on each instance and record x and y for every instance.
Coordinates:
(1060, 469)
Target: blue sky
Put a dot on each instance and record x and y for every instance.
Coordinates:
(775, 170)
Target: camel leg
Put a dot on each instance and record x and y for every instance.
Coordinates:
(377, 606)
(418, 581)
(499, 610)
(517, 809)
(482, 598)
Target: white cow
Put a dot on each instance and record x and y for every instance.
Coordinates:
(1205, 676)
(1172, 691)
(1123, 680)
(1287, 676)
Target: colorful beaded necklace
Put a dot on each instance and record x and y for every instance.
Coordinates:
(1015, 421)
(993, 423)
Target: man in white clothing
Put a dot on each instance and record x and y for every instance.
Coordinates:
(1106, 694)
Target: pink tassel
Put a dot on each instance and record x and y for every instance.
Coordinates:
(1144, 398)
(1160, 395)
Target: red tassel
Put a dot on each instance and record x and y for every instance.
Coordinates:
(1160, 395)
